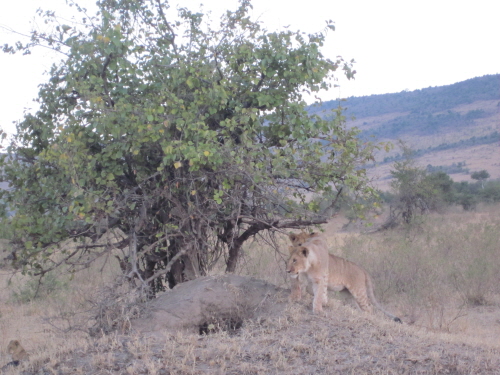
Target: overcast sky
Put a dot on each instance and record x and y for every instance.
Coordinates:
(398, 45)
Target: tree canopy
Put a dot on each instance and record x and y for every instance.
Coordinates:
(189, 138)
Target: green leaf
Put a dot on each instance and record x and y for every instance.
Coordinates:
(200, 130)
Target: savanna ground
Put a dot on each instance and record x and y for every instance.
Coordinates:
(440, 277)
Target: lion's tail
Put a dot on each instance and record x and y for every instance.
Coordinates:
(371, 295)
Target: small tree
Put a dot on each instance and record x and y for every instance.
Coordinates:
(188, 139)
(416, 192)
(442, 186)
(481, 176)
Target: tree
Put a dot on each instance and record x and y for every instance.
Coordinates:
(480, 176)
(442, 188)
(188, 139)
(416, 192)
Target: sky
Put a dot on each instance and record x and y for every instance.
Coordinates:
(397, 45)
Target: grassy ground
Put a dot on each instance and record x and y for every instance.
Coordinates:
(441, 277)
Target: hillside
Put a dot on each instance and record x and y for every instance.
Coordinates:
(445, 125)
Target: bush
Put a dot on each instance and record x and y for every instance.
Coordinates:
(6, 230)
(468, 195)
(34, 288)
(415, 191)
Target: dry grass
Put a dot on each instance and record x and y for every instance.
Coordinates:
(435, 274)
(440, 278)
(340, 342)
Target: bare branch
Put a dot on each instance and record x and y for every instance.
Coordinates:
(168, 266)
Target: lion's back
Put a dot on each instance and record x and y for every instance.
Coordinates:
(346, 273)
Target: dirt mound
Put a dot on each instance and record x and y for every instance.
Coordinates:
(276, 337)
(295, 341)
(210, 303)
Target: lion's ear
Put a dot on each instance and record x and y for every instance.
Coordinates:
(292, 236)
(305, 251)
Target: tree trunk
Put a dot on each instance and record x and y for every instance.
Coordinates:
(236, 243)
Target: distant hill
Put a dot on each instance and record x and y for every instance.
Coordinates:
(429, 100)
(446, 125)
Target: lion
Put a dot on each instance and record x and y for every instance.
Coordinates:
(298, 239)
(309, 256)
(17, 353)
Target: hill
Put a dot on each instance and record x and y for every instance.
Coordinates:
(446, 126)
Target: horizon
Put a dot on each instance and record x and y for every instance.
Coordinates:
(420, 89)
(397, 47)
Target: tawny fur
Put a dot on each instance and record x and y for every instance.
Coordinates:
(309, 255)
(16, 351)
(298, 239)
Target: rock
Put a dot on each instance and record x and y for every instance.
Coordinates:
(209, 302)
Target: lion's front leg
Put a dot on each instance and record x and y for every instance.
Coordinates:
(296, 290)
(319, 288)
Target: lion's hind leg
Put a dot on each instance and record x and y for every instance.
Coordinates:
(361, 299)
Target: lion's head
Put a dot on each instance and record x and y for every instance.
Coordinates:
(298, 239)
(16, 350)
(298, 261)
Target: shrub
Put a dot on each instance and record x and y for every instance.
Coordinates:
(36, 288)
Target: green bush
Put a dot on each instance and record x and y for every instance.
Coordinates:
(34, 288)
(468, 195)
(6, 231)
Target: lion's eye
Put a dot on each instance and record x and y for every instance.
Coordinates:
(295, 261)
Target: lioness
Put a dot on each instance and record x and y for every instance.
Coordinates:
(310, 256)
(299, 239)
(17, 354)
(16, 350)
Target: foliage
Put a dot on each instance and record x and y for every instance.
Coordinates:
(468, 195)
(459, 167)
(190, 139)
(6, 230)
(480, 176)
(34, 288)
(415, 191)
(442, 191)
